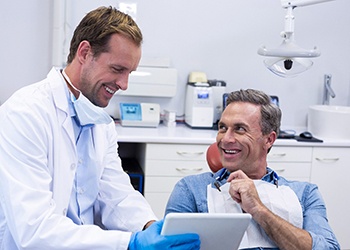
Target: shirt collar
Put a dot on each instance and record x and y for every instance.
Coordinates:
(222, 175)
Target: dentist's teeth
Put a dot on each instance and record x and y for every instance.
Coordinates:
(109, 90)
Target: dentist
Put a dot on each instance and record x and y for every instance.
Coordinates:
(61, 181)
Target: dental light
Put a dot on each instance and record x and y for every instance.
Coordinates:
(289, 60)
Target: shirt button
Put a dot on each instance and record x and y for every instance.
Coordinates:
(72, 166)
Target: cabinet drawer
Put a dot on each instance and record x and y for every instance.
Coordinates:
(331, 156)
(292, 171)
(175, 168)
(182, 152)
(290, 154)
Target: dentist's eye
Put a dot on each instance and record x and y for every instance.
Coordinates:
(118, 70)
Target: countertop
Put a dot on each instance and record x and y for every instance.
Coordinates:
(185, 135)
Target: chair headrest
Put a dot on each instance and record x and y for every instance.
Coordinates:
(213, 158)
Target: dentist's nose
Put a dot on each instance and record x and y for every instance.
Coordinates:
(123, 83)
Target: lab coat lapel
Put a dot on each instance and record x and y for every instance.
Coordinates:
(98, 135)
(65, 156)
(60, 100)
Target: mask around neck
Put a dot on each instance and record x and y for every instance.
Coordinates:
(86, 111)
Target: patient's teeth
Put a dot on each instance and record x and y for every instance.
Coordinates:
(231, 151)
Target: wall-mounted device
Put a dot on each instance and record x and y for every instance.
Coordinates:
(152, 81)
(199, 111)
(139, 114)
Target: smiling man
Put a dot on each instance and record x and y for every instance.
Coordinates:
(62, 185)
(286, 214)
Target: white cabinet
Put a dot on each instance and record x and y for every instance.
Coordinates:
(165, 164)
(293, 163)
(331, 172)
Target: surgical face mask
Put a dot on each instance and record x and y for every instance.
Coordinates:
(87, 112)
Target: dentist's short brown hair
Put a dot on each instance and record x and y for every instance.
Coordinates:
(99, 25)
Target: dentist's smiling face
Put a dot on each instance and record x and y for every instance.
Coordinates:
(240, 140)
(105, 74)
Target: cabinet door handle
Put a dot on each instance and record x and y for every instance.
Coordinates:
(189, 170)
(328, 160)
(278, 155)
(189, 154)
(280, 170)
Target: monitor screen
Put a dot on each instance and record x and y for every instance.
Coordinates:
(203, 95)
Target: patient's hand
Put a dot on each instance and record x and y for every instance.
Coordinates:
(243, 190)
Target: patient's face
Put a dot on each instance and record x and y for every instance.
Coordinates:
(240, 140)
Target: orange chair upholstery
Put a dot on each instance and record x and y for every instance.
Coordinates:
(213, 158)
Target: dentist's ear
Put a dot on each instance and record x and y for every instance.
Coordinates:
(83, 51)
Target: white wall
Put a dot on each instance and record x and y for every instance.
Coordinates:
(220, 38)
(25, 43)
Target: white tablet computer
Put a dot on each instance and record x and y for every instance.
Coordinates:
(217, 231)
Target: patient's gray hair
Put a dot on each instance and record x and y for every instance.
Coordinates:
(270, 112)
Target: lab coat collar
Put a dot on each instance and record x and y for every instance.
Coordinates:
(59, 93)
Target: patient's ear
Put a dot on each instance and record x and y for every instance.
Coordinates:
(270, 139)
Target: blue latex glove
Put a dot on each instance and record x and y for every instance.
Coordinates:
(150, 239)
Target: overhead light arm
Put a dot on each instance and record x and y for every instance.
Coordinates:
(288, 48)
(289, 23)
(288, 55)
(300, 3)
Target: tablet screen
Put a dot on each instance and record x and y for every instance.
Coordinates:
(217, 231)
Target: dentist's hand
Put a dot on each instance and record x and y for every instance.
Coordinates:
(150, 239)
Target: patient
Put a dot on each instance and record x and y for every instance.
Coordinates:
(286, 214)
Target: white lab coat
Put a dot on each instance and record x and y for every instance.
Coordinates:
(38, 161)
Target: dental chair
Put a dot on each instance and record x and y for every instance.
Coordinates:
(213, 158)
